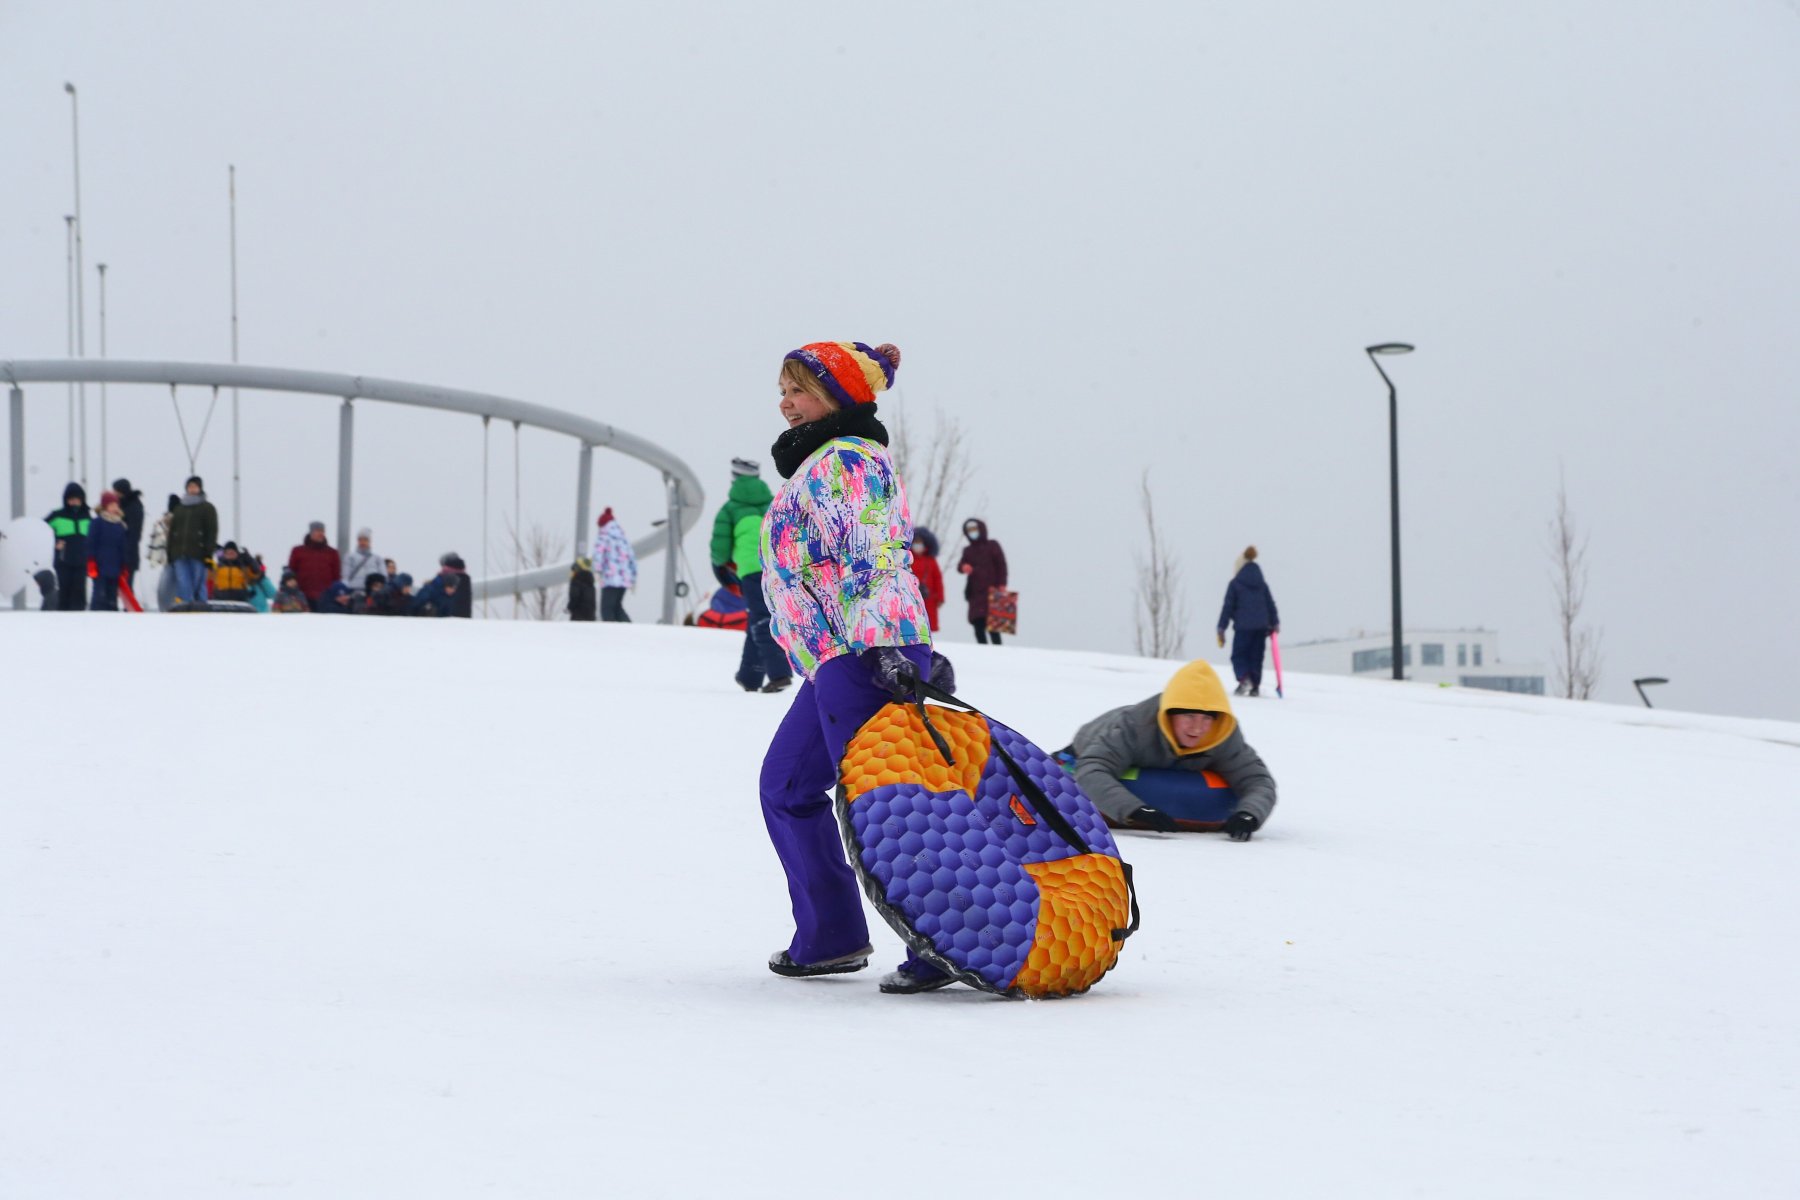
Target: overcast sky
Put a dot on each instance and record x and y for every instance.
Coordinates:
(1109, 238)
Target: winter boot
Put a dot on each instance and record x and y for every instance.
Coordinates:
(782, 964)
(1243, 688)
(778, 685)
(1256, 689)
(901, 982)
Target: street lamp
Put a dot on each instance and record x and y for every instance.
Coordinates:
(103, 475)
(1639, 685)
(80, 269)
(1374, 353)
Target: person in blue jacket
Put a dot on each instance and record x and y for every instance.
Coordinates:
(1251, 607)
(109, 547)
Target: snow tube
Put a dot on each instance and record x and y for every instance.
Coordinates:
(1198, 801)
(982, 854)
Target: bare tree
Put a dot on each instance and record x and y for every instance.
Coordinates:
(1161, 614)
(1578, 654)
(538, 547)
(936, 471)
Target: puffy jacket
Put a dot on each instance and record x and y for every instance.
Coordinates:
(131, 507)
(614, 561)
(359, 566)
(737, 530)
(69, 525)
(109, 543)
(1140, 735)
(436, 599)
(234, 579)
(316, 566)
(837, 555)
(931, 585)
(1248, 601)
(193, 530)
(987, 569)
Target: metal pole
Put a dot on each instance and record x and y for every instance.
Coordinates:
(80, 273)
(584, 484)
(346, 446)
(104, 477)
(16, 421)
(69, 221)
(1394, 516)
(237, 482)
(670, 571)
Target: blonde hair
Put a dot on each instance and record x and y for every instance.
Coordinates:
(797, 374)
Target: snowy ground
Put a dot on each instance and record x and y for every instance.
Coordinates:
(320, 908)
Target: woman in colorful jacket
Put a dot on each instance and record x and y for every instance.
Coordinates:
(616, 564)
(845, 607)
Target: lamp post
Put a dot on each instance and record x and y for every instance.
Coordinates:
(69, 285)
(104, 477)
(1374, 353)
(80, 269)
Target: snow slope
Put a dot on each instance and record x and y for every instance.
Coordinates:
(368, 908)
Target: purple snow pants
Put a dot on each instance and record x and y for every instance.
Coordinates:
(799, 774)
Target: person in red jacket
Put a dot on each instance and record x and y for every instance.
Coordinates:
(315, 564)
(931, 578)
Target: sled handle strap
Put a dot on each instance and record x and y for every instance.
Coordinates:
(1119, 935)
(1040, 803)
(1034, 795)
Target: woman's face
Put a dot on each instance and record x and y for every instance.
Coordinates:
(799, 406)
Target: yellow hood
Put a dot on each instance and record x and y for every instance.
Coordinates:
(1196, 686)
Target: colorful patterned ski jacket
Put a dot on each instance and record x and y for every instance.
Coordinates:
(614, 561)
(837, 557)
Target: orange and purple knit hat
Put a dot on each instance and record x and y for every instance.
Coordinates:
(851, 372)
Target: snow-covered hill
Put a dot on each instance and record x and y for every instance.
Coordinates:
(438, 909)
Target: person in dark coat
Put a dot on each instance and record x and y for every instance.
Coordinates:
(108, 542)
(193, 536)
(1251, 607)
(70, 526)
(584, 601)
(984, 562)
(315, 563)
(399, 596)
(448, 594)
(131, 507)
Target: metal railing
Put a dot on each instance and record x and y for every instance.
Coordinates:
(682, 487)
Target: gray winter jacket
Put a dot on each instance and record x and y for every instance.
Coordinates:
(1114, 742)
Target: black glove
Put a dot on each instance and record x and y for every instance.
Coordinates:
(1146, 817)
(943, 675)
(725, 575)
(896, 672)
(1241, 826)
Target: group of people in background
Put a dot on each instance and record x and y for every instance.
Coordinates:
(105, 546)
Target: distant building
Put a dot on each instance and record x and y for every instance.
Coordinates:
(1466, 657)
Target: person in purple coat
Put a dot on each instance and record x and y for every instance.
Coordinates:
(984, 562)
(1251, 607)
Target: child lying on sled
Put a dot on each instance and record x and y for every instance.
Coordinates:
(1174, 761)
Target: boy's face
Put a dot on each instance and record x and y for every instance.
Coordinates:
(193, 489)
(1191, 728)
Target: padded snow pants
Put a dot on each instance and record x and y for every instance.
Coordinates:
(1247, 653)
(799, 775)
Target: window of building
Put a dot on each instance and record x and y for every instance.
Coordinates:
(1529, 685)
(1380, 660)
(1432, 654)
(1462, 654)
(1478, 654)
